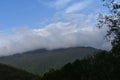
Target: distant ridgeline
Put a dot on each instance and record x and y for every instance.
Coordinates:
(101, 66)
(41, 60)
(10, 73)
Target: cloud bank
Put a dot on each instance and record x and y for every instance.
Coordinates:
(53, 36)
(67, 28)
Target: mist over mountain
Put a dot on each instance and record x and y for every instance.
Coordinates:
(65, 28)
(53, 36)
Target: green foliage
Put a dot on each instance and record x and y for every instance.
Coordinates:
(10, 73)
(102, 66)
(112, 22)
(40, 61)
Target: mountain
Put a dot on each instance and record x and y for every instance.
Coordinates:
(101, 66)
(11, 73)
(41, 60)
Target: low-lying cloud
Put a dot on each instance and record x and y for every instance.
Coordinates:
(53, 36)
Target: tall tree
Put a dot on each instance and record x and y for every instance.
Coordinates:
(112, 22)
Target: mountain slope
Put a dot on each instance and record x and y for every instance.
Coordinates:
(39, 61)
(102, 66)
(10, 73)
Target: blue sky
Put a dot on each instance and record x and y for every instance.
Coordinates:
(18, 13)
(31, 13)
(51, 24)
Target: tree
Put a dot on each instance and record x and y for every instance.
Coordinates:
(112, 22)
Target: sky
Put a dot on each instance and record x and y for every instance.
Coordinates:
(33, 24)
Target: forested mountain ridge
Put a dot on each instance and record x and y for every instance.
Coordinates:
(41, 60)
(10, 73)
(102, 66)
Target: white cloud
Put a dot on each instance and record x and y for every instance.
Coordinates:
(57, 4)
(69, 30)
(60, 3)
(67, 6)
(54, 36)
(78, 6)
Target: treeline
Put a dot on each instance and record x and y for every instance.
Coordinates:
(102, 66)
(11, 73)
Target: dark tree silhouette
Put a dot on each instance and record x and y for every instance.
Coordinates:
(112, 22)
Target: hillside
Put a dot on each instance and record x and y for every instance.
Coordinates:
(102, 66)
(41, 60)
(10, 73)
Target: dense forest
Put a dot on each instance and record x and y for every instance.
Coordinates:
(102, 66)
(11, 73)
(40, 61)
